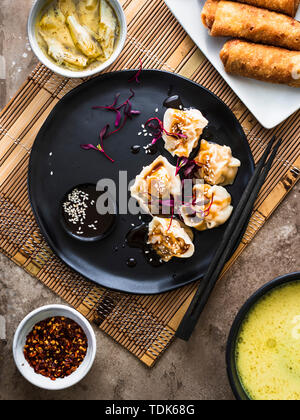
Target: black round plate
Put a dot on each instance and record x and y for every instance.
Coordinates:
(58, 164)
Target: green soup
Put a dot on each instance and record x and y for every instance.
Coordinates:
(268, 349)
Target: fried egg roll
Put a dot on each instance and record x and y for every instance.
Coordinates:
(261, 62)
(209, 13)
(288, 7)
(230, 19)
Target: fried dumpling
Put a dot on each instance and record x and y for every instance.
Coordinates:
(217, 165)
(83, 38)
(156, 182)
(189, 124)
(170, 238)
(108, 28)
(62, 50)
(211, 207)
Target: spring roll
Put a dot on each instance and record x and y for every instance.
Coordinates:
(288, 7)
(230, 19)
(261, 62)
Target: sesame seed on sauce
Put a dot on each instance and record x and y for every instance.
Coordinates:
(80, 213)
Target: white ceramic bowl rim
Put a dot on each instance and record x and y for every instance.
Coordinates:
(35, 10)
(26, 326)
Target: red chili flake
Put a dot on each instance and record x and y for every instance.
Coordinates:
(56, 347)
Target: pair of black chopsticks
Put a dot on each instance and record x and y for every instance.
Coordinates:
(232, 234)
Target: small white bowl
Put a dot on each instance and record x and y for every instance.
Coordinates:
(26, 327)
(33, 15)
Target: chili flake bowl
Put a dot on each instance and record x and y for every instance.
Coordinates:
(26, 327)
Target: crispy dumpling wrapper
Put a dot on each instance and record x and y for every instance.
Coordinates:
(170, 238)
(217, 165)
(188, 123)
(211, 207)
(157, 181)
(108, 28)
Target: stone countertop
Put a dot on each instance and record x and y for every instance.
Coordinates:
(194, 370)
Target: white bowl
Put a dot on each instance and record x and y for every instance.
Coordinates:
(26, 327)
(33, 15)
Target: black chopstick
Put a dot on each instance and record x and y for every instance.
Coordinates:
(229, 241)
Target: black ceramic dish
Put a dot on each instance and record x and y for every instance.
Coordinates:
(232, 372)
(58, 163)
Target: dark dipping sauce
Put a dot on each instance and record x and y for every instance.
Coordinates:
(138, 238)
(174, 102)
(135, 149)
(80, 216)
(152, 149)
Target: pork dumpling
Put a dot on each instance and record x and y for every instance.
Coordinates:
(83, 39)
(56, 36)
(189, 124)
(108, 28)
(170, 238)
(211, 207)
(217, 165)
(156, 182)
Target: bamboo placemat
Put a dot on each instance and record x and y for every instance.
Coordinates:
(144, 325)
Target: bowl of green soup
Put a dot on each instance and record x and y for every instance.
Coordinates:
(263, 351)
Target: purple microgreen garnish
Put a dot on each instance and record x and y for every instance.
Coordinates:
(189, 170)
(181, 162)
(99, 147)
(128, 112)
(118, 118)
(88, 147)
(135, 78)
(160, 130)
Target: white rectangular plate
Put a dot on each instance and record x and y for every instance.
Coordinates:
(271, 104)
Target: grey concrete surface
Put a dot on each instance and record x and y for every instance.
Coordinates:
(194, 370)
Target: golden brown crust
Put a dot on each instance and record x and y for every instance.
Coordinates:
(261, 62)
(209, 12)
(254, 24)
(288, 7)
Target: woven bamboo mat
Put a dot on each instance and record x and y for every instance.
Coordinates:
(144, 325)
